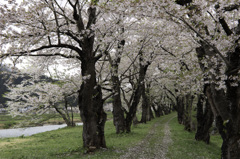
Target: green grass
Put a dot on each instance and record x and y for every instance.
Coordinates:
(185, 146)
(7, 121)
(67, 143)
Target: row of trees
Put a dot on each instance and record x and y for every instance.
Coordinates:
(169, 53)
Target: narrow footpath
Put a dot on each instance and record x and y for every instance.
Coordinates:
(154, 145)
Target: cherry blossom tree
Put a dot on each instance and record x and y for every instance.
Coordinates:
(215, 26)
(159, 42)
(68, 29)
(38, 97)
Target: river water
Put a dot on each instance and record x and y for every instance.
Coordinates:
(5, 133)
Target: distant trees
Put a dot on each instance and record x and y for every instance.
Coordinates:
(38, 97)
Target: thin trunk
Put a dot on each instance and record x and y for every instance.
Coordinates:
(66, 120)
(145, 105)
(133, 109)
(67, 113)
(137, 93)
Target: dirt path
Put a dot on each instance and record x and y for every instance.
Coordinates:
(154, 145)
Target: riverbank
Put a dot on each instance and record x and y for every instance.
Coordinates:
(67, 143)
(7, 133)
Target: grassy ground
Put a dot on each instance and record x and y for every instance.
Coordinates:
(184, 145)
(67, 143)
(7, 121)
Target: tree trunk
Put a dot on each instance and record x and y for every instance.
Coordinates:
(91, 108)
(135, 120)
(137, 93)
(118, 113)
(180, 109)
(133, 108)
(145, 106)
(151, 116)
(188, 112)
(204, 120)
(233, 95)
(65, 118)
(156, 111)
(226, 106)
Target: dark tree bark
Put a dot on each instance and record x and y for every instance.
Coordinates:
(180, 109)
(145, 106)
(226, 106)
(135, 120)
(93, 119)
(118, 111)
(166, 109)
(204, 120)
(133, 108)
(160, 109)
(183, 2)
(90, 95)
(137, 93)
(156, 110)
(188, 112)
(65, 116)
(233, 96)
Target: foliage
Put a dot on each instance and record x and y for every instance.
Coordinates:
(9, 124)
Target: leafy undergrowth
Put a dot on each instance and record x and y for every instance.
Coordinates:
(67, 143)
(185, 146)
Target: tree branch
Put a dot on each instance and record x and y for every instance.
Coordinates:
(199, 35)
(25, 53)
(225, 26)
(231, 7)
